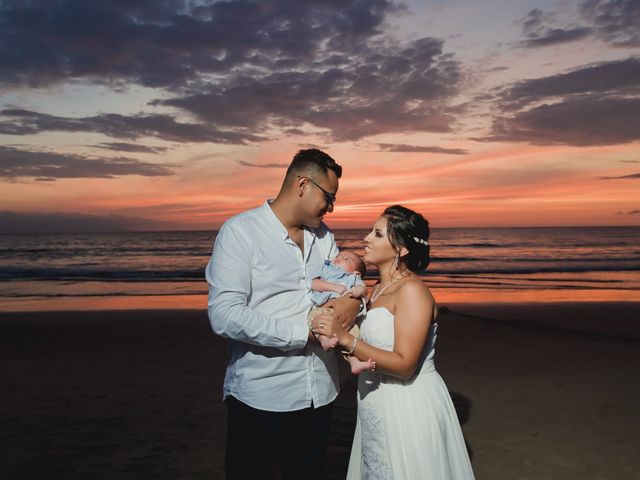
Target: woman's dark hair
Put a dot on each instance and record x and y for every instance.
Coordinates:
(409, 229)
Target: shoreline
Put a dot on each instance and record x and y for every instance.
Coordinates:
(448, 305)
(199, 302)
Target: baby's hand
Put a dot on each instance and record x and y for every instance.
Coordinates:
(358, 291)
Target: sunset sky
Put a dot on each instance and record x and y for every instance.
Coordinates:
(148, 114)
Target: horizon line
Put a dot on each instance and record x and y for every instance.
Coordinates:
(332, 229)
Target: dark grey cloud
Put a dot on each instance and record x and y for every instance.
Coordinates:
(537, 33)
(48, 166)
(633, 175)
(633, 212)
(496, 69)
(620, 77)
(263, 165)
(592, 105)
(164, 127)
(386, 87)
(554, 36)
(400, 147)
(616, 22)
(172, 42)
(130, 147)
(533, 22)
(244, 68)
(630, 161)
(305, 146)
(294, 131)
(56, 222)
(581, 121)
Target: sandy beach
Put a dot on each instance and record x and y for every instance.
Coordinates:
(544, 391)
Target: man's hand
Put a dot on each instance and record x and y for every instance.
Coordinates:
(345, 310)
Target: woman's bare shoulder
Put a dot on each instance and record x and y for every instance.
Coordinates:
(416, 291)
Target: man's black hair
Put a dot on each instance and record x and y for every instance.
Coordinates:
(316, 159)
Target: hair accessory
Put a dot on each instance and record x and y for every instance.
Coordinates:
(421, 240)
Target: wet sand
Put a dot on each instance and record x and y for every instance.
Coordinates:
(545, 391)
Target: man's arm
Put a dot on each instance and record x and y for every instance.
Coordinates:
(229, 276)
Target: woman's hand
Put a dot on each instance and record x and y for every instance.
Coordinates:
(325, 324)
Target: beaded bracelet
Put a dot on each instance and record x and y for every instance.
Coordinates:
(353, 347)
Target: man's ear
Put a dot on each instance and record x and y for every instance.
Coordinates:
(301, 183)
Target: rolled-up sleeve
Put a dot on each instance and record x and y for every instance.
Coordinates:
(229, 276)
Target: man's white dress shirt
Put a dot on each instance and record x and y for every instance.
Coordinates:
(258, 285)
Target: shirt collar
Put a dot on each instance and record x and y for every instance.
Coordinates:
(277, 224)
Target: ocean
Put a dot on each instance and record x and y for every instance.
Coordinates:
(166, 269)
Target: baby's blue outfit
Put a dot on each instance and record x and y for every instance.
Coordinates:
(333, 273)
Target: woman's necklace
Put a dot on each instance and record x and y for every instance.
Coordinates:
(375, 295)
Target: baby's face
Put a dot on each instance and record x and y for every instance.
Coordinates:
(348, 261)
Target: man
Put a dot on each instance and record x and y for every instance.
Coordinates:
(279, 383)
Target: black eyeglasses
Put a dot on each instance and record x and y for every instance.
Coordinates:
(329, 197)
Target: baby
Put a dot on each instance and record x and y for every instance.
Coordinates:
(340, 276)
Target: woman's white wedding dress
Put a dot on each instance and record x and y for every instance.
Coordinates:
(405, 429)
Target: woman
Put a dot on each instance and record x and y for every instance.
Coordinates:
(407, 427)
